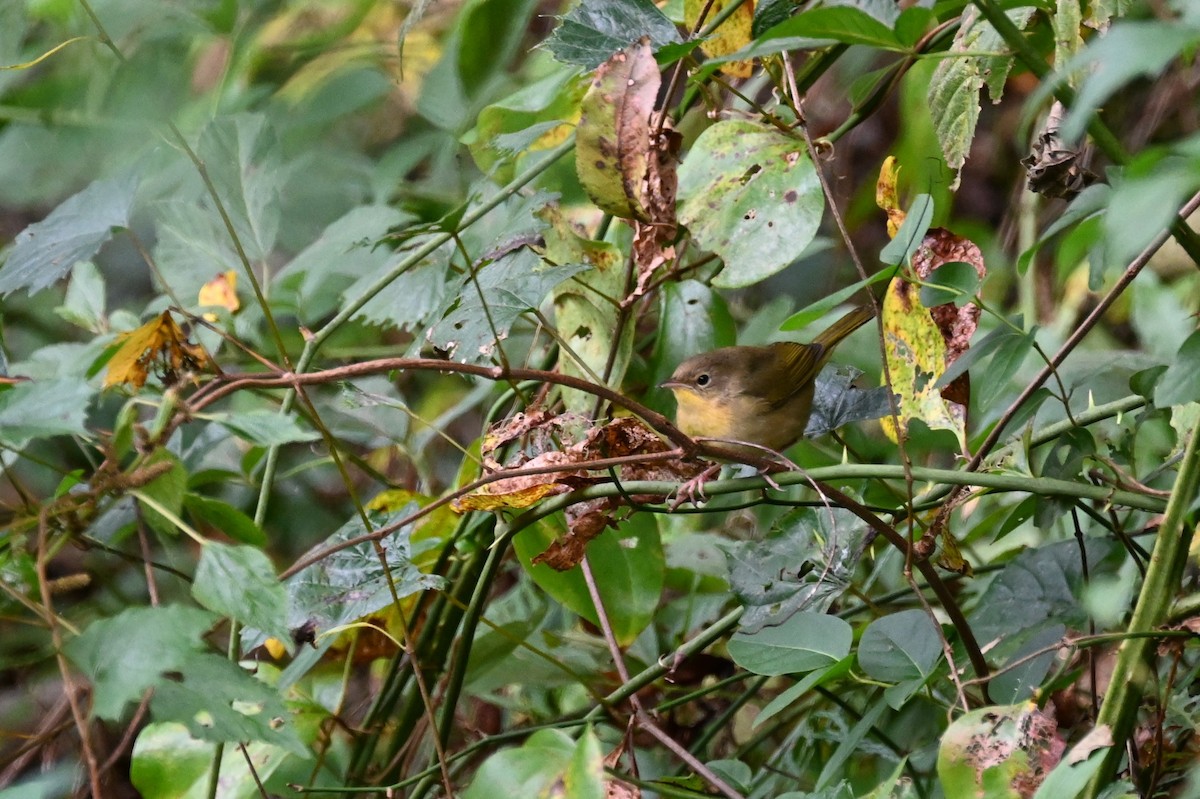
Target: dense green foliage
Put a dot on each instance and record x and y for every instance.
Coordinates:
(327, 329)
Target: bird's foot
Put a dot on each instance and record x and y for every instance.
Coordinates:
(693, 490)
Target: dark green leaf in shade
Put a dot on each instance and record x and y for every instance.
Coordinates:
(1037, 591)
(73, 232)
(750, 194)
(240, 583)
(692, 319)
(810, 681)
(900, 646)
(1022, 679)
(1180, 383)
(629, 565)
(805, 642)
(218, 700)
(41, 409)
(804, 563)
(223, 518)
(591, 32)
(769, 13)
(124, 655)
(838, 402)
(1144, 382)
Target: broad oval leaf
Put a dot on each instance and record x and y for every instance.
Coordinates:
(804, 642)
(750, 194)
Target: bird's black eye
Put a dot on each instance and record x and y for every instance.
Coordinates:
(703, 380)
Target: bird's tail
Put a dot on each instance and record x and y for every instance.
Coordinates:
(845, 326)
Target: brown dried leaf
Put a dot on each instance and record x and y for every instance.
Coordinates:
(1055, 169)
(585, 521)
(612, 142)
(512, 429)
(523, 490)
(956, 324)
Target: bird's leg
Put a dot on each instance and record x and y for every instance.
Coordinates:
(693, 490)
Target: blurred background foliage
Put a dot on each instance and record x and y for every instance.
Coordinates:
(312, 185)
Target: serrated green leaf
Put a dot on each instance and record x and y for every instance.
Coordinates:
(591, 32)
(804, 563)
(73, 232)
(804, 642)
(510, 286)
(750, 194)
(242, 158)
(265, 428)
(41, 409)
(240, 583)
(124, 655)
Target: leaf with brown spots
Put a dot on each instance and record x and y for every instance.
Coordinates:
(612, 142)
(730, 36)
(1011, 749)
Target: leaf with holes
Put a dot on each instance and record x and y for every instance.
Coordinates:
(750, 194)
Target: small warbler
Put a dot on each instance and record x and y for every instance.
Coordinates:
(755, 395)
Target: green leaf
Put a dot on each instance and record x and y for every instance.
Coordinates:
(217, 700)
(240, 583)
(954, 89)
(952, 282)
(804, 563)
(1178, 384)
(512, 126)
(325, 272)
(805, 642)
(629, 567)
(814, 311)
(900, 646)
(224, 518)
(531, 769)
(692, 319)
(168, 763)
(124, 655)
(85, 301)
(352, 583)
(591, 32)
(510, 286)
(73, 232)
(795, 692)
(845, 24)
(584, 777)
(838, 402)
(1131, 50)
(265, 428)
(43, 408)
(1024, 674)
(242, 158)
(1076, 769)
(750, 194)
(911, 233)
(167, 490)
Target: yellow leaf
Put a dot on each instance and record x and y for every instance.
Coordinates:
(887, 196)
(159, 343)
(916, 356)
(221, 291)
(732, 35)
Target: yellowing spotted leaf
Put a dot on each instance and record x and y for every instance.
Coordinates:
(160, 344)
(916, 355)
(732, 35)
(887, 196)
(220, 291)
